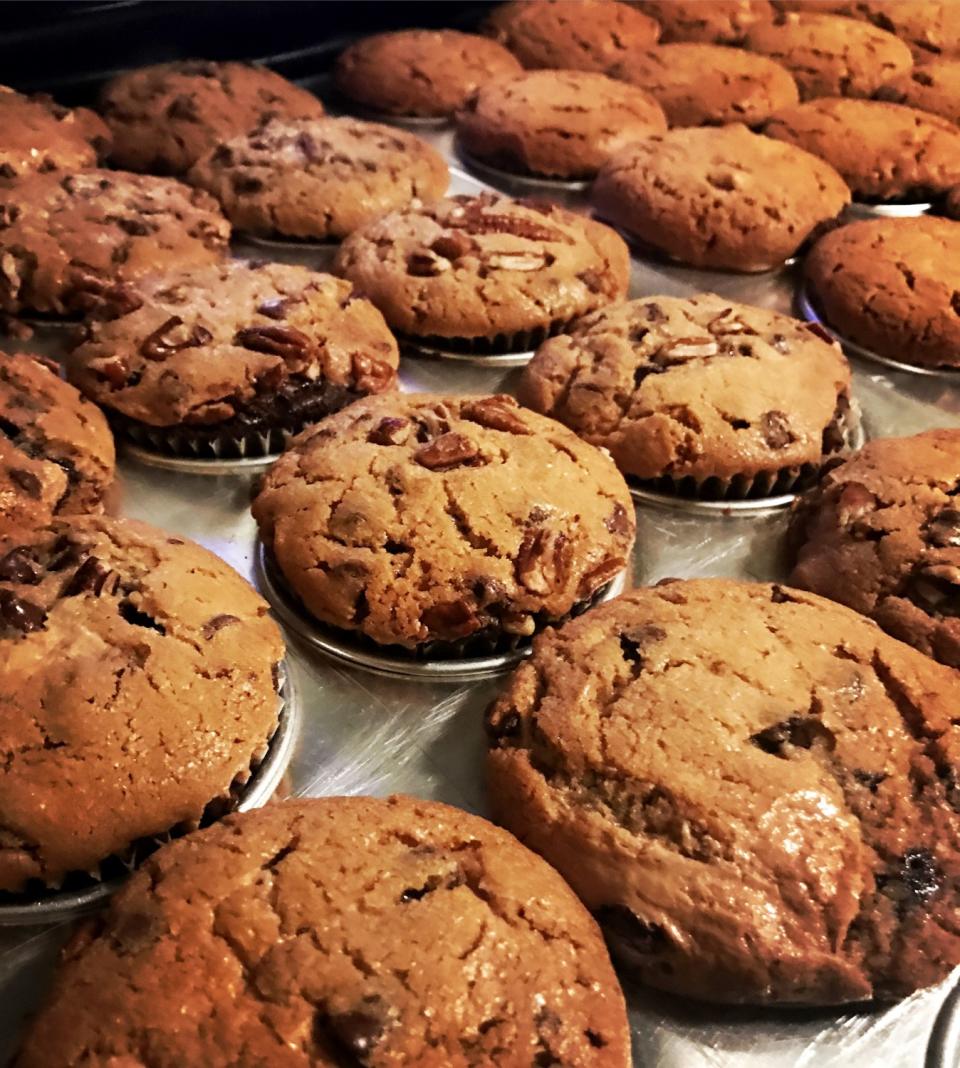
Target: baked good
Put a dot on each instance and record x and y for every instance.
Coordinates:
(705, 84)
(719, 197)
(136, 689)
(340, 931)
(164, 117)
(752, 788)
(233, 358)
(426, 73)
(891, 286)
(56, 450)
(427, 522)
(319, 178)
(68, 241)
(930, 27)
(881, 534)
(884, 151)
(934, 87)
(829, 55)
(37, 134)
(570, 34)
(699, 395)
(952, 203)
(706, 21)
(485, 272)
(538, 122)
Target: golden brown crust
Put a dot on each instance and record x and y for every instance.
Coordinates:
(37, 134)
(706, 21)
(934, 87)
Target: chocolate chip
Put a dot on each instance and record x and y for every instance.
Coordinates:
(775, 427)
(390, 431)
(618, 521)
(496, 413)
(18, 566)
(914, 880)
(284, 341)
(134, 227)
(798, 732)
(183, 107)
(161, 343)
(447, 451)
(637, 935)
(27, 481)
(217, 623)
(780, 343)
(654, 313)
(943, 530)
(245, 183)
(275, 308)
(19, 614)
(93, 576)
(350, 1037)
(453, 619)
(870, 779)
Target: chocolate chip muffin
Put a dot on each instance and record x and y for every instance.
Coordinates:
(885, 152)
(136, 691)
(56, 450)
(383, 931)
(891, 286)
(164, 117)
(485, 273)
(444, 524)
(709, 85)
(419, 73)
(37, 134)
(538, 122)
(753, 789)
(68, 242)
(698, 395)
(881, 534)
(934, 87)
(930, 27)
(571, 34)
(706, 21)
(319, 178)
(233, 359)
(719, 197)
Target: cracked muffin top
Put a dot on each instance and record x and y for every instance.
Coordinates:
(419, 72)
(339, 931)
(754, 789)
(319, 178)
(56, 450)
(479, 267)
(559, 123)
(893, 286)
(699, 388)
(706, 21)
(413, 518)
(930, 27)
(37, 134)
(164, 117)
(65, 241)
(934, 87)
(136, 687)
(881, 534)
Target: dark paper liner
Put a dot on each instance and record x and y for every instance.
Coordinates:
(501, 350)
(82, 892)
(476, 657)
(502, 174)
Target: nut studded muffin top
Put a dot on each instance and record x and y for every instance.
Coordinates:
(930, 28)
(419, 72)
(136, 685)
(37, 134)
(164, 117)
(201, 346)
(334, 932)
(571, 34)
(882, 535)
(706, 21)
(753, 788)
(56, 450)
(884, 151)
(319, 178)
(934, 87)
(476, 267)
(65, 241)
(698, 387)
(412, 518)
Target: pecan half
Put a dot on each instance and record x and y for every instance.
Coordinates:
(162, 343)
(371, 375)
(285, 341)
(391, 431)
(496, 413)
(447, 451)
(543, 560)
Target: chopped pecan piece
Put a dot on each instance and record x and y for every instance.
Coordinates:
(447, 451)
(496, 413)
(163, 343)
(285, 341)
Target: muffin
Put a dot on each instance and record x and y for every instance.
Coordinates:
(706, 21)
(709, 85)
(419, 73)
(136, 688)
(881, 534)
(319, 179)
(165, 117)
(752, 788)
(37, 134)
(930, 27)
(891, 286)
(341, 931)
(831, 56)
(68, 242)
(698, 396)
(485, 273)
(719, 197)
(885, 152)
(934, 87)
(952, 203)
(56, 450)
(444, 524)
(571, 34)
(233, 359)
(536, 123)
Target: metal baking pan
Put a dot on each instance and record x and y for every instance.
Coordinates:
(363, 732)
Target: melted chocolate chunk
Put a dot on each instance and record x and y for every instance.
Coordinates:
(18, 614)
(18, 566)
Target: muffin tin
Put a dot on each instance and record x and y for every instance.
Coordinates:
(364, 731)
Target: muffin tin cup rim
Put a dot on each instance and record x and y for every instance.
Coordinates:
(943, 1050)
(410, 347)
(348, 109)
(197, 466)
(289, 244)
(62, 906)
(861, 210)
(533, 181)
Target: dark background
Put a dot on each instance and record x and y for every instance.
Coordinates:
(68, 48)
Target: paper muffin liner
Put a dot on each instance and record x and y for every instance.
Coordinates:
(518, 346)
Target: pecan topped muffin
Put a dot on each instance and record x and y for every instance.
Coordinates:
(706, 21)
(37, 134)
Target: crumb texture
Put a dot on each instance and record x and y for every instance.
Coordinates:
(934, 87)
(706, 21)
(37, 134)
